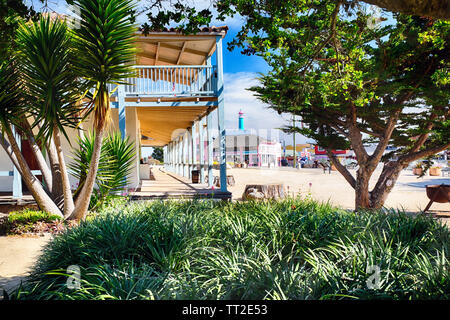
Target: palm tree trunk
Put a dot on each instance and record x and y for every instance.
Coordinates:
(45, 170)
(57, 192)
(68, 199)
(7, 147)
(34, 185)
(84, 198)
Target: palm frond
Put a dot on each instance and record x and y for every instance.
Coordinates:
(105, 49)
(11, 102)
(116, 162)
(52, 89)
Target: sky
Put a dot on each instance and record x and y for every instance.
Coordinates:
(240, 73)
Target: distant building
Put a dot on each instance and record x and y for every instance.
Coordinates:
(321, 153)
(302, 151)
(246, 147)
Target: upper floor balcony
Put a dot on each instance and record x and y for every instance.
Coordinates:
(178, 80)
(173, 81)
(170, 64)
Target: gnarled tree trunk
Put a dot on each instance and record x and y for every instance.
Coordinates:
(57, 191)
(362, 196)
(386, 181)
(439, 9)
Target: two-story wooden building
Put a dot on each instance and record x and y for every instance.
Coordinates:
(169, 104)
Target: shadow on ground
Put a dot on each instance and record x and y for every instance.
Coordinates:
(9, 284)
(424, 183)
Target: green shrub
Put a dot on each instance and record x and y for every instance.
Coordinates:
(293, 249)
(116, 162)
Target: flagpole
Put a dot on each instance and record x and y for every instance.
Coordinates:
(295, 155)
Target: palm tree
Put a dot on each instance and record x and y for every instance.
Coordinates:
(52, 88)
(12, 111)
(57, 66)
(105, 50)
(49, 83)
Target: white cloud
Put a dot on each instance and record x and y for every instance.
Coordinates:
(257, 115)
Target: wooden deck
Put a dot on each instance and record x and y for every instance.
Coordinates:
(165, 186)
(6, 198)
(170, 186)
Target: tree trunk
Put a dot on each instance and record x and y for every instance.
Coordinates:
(67, 192)
(45, 170)
(341, 168)
(362, 195)
(386, 181)
(270, 191)
(439, 9)
(57, 192)
(82, 202)
(34, 185)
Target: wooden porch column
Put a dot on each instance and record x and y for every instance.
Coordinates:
(195, 126)
(209, 140)
(201, 138)
(210, 149)
(172, 157)
(165, 157)
(221, 116)
(121, 108)
(17, 178)
(177, 156)
(185, 151)
(168, 157)
(180, 156)
(190, 163)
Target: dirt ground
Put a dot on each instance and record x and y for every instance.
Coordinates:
(17, 257)
(408, 193)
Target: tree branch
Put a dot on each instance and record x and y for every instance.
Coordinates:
(341, 168)
(422, 154)
(375, 158)
(439, 9)
(327, 40)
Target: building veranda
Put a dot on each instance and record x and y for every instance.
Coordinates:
(169, 103)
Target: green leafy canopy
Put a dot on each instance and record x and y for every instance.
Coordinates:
(52, 88)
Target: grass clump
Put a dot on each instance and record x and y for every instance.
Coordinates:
(31, 216)
(28, 221)
(292, 249)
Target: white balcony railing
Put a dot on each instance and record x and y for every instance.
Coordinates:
(172, 81)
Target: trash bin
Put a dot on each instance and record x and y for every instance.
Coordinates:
(195, 176)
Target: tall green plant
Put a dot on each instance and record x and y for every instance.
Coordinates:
(13, 113)
(116, 162)
(104, 43)
(53, 90)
